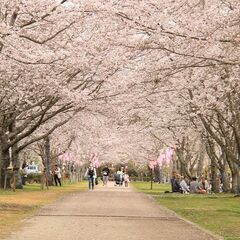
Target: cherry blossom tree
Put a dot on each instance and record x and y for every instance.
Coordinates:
(132, 77)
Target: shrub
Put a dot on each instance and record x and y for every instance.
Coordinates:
(34, 177)
(67, 175)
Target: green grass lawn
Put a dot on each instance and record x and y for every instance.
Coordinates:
(219, 213)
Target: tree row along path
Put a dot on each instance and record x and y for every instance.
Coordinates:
(107, 213)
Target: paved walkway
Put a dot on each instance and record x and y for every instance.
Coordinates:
(107, 213)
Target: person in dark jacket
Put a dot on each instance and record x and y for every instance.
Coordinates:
(175, 182)
(91, 174)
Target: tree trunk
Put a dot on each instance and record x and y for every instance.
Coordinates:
(47, 162)
(225, 182)
(157, 173)
(4, 154)
(16, 169)
(214, 178)
(5, 180)
(1, 164)
(201, 160)
(15, 160)
(225, 179)
(174, 163)
(235, 176)
(235, 179)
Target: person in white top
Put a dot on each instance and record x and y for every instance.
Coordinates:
(57, 175)
(119, 177)
(183, 185)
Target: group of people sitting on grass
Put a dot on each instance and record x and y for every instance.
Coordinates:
(182, 185)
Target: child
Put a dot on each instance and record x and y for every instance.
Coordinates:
(126, 179)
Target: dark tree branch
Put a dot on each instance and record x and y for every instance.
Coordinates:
(44, 16)
(49, 38)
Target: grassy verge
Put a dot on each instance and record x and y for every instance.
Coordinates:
(15, 206)
(219, 213)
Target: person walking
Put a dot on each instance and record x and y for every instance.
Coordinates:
(91, 174)
(105, 175)
(126, 179)
(57, 175)
(119, 177)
